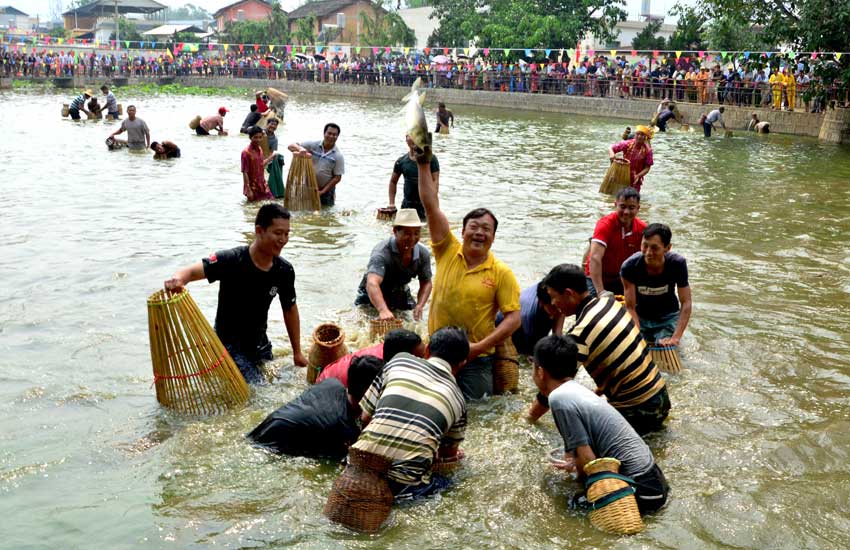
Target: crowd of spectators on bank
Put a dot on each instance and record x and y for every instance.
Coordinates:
(682, 79)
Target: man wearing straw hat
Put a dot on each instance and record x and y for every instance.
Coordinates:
(393, 263)
(79, 104)
(651, 279)
(612, 350)
(590, 427)
(471, 286)
(250, 277)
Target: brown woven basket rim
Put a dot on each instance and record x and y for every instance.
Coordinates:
(328, 343)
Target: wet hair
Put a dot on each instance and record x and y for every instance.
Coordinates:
(557, 356)
(480, 213)
(361, 373)
(441, 105)
(276, 122)
(254, 130)
(254, 107)
(154, 144)
(564, 276)
(542, 295)
(268, 213)
(450, 344)
(628, 193)
(721, 109)
(400, 341)
(131, 107)
(104, 88)
(659, 229)
(332, 125)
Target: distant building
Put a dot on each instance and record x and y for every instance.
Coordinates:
(625, 32)
(337, 21)
(245, 10)
(96, 21)
(12, 19)
(419, 20)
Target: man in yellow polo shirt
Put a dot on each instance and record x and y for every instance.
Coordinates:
(470, 287)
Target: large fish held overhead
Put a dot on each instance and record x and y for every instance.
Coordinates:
(414, 121)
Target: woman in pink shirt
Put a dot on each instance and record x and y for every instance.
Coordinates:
(638, 152)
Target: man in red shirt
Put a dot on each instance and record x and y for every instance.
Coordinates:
(616, 237)
(254, 185)
(395, 342)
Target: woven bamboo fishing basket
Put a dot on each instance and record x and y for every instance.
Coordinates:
(617, 177)
(328, 346)
(66, 110)
(505, 368)
(277, 99)
(379, 327)
(620, 516)
(193, 373)
(361, 498)
(302, 189)
(195, 122)
(387, 213)
(666, 358)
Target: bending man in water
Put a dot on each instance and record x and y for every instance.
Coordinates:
(250, 277)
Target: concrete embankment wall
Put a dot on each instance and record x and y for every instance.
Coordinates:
(832, 126)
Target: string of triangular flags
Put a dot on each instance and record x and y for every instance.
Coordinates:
(532, 53)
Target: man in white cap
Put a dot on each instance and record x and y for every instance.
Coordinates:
(392, 264)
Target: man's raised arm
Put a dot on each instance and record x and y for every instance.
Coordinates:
(438, 224)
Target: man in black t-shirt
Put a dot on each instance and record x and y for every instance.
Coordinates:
(250, 277)
(251, 120)
(652, 278)
(322, 421)
(406, 166)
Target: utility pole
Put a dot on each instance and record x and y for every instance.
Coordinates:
(117, 32)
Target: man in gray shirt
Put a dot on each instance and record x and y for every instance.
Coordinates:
(592, 428)
(327, 161)
(393, 263)
(138, 135)
(111, 102)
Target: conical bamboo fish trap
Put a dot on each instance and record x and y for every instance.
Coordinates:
(302, 190)
(193, 373)
(615, 508)
(666, 358)
(361, 498)
(505, 368)
(195, 122)
(379, 327)
(328, 346)
(617, 177)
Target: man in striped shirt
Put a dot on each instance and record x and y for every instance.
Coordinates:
(79, 104)
(612, 350)
(414, 414)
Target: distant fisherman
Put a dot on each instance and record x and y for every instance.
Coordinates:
(444, 117)
(138, 134)
(214, 122)
(79, 104)
(406, 166)
(165, 150)
(111, 102)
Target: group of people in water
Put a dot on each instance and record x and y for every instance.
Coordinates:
(403, 402)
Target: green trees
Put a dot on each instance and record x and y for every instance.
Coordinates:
(646, 39)
(524, 23)
(305, 30)
(272, 30)
(689, 29)
(127, 31)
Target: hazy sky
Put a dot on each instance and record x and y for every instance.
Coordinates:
(42, 7)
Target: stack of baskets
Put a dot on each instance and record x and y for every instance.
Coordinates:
(615, 508)
(617, 177)
(328, 346)
(302, 189)
(505, 368)
(193, 373)
(379, 327)
(361, 498)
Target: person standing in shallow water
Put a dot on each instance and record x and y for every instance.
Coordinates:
(254, 185)
(444, 119)
(328, 162)
(638, 152)
(250, 277)
(471, 286)
(406, 167)
(138, 134)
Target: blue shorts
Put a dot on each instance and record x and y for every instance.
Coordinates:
(436, 485)
(652, 331)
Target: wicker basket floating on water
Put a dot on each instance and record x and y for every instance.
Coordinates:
(387, 213)
(302, 189)
(361, 498)
(505, 368)
(615, 509)
(617, 177)
(666, 358)
(379, 327)
(328, 346)
(195, 122)
(193, 373)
